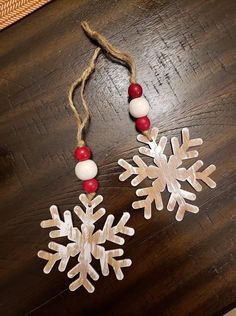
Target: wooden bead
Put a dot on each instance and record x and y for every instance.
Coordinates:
(90, 186)
(143, 124)
(138, 107)
(135, 90)
(82, 153)
(86, 170)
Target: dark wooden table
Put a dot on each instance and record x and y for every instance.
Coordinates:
(184, 51)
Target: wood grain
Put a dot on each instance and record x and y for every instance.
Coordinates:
(184, 51)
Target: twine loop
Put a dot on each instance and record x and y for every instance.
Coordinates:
(111, 50)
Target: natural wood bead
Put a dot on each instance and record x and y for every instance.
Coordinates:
(86, 169)
(138, 107)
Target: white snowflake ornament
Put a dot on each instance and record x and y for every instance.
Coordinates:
(167, 172)
(86, 243)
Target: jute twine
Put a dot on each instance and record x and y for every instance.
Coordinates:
(109, 49)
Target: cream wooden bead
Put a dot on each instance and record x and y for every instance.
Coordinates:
(86, 170)
(138, 107)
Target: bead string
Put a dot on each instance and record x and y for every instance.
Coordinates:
(138, 106)
(86, 169)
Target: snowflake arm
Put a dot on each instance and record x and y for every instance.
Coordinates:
(115, 264)
(153, 194)
(109, 233)
(155, 148)
(142, 171)
(178, 196)
(84, 270)
(63, 253)
(193, 174)
(182, 152)
(65, 228)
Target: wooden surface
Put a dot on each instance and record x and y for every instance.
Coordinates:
(184, 51)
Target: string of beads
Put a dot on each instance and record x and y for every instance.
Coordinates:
(86, 169)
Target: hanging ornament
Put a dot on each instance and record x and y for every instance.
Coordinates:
(85, 243)
(167, 172)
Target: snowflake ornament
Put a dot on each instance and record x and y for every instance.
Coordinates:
(167, 172)
(86, 243)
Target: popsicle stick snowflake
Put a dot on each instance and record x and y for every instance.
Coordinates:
(167, 173)
(86, 243)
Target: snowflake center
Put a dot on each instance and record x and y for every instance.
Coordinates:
(87, 231)
(167, 171)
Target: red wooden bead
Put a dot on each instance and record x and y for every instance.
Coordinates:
(82, 153)
(135, 90)
(90, 186)
(143, 123)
